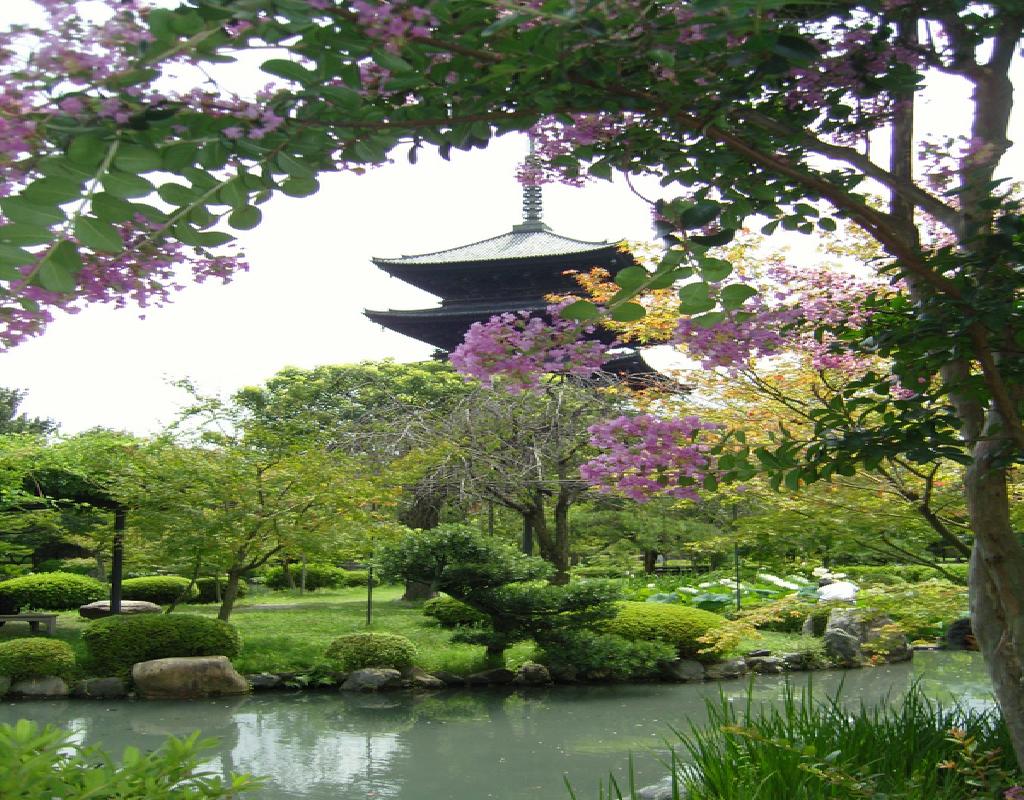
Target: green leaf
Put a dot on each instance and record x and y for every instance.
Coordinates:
(53, 191)
(345, 98)
(723, 237)
(581, 310)
(666, 279)
(134, 158)
(25, 234)
(300, 187)
(176, 194)
(391, 62)
(827, 224)
(58, 272)
(213, 238)
(293, 166)
(708, 320)
(121, 184)
(699, 215)
(20, 209)
(792, 479)
(288, 70)
(710, 483)
(14, 256)
(736, 294)
(695, 298)
(110, 208)
(631, 277)
(245, 218)
(795, 49)
(628, 312)
(715, 269)
(87, 151)
(99, 235)
(178, 156)
(234, 194)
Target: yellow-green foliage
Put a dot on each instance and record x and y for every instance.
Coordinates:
(680, 626)
(36, 658)
(366, 650)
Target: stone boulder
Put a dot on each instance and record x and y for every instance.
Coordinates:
(100, 688)
(450, 678)
(798, 662)
(855, 637)
(532, 674)
(662, 790)
(372, 680)
(683, 670)
(766, 665)
(421, 679)
(726, 670)
(262, 681)
(101, 608)
(189, 677)
(491, 677)
(40, 688)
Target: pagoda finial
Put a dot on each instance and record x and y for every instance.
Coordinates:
(533, 208)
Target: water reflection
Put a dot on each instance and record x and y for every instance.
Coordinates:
(460, 745)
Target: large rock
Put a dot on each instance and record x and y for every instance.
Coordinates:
(100, 688)
(372, 680)
(262, 681)
(800, 661)
(855, 637)
(421, 679)
(450, 678)
(532, 674)
(662, 790)
(726, 670)
(684, 670)
(766, 665)
(49, 686)
(101, 608)
(195, 676)
(491, 677)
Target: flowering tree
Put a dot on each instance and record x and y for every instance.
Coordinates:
(743, 107)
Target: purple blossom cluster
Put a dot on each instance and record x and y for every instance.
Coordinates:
(646, 456)
(554, 137)
(144, 275)
(796, 310)
(520, 348)
(393, 22)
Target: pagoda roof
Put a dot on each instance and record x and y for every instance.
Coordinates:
(521, 243)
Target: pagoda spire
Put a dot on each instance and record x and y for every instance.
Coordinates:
(533, 199)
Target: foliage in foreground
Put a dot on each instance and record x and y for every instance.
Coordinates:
(40, 763)
(812, 750)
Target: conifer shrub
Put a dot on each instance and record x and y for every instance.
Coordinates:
(452, 613)
(593, 655)
(36, 658)
(54, 591)
(368, 650)
(680, 626)
(115, 643)
(160, 589)
(207, 589)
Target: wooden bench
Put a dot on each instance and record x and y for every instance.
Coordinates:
(33, 620)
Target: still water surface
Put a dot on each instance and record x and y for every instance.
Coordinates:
(466, 745)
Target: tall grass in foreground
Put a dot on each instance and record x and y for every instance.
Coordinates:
(807, 749)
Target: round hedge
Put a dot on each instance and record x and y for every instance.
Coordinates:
(55, 591)
(318, 576)
(115, 643)
(160, 589)
(357, 577)
(36, 658)
(451, 613)
(366, 650)
(680, 626)
(208, 591)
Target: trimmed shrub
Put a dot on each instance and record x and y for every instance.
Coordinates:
(36, 658)
(208, 592)
(160, 589)
(56, 591)
(603, 656)
(366, 650)
(318, 576)
(452, 613)
(115, 643)
(599, 571)
(680, 626)
(357, 577)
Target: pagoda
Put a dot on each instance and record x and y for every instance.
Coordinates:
(507, 273)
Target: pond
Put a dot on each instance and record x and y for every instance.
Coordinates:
(471, 744)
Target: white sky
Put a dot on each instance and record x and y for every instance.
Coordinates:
(301, 304)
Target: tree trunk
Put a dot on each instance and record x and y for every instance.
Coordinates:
(997, 583)
(287, 572)
(230, 593)
(415, 591)
(424, 513)
(560, 548)
(650, 561)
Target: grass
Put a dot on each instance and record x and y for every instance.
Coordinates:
(294, 639)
